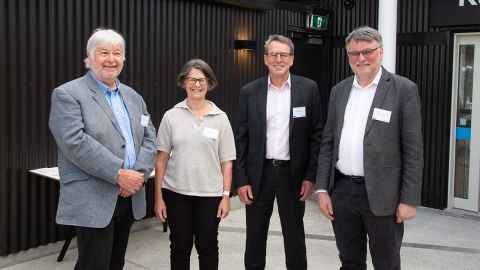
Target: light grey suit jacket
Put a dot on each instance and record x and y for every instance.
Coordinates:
(91, 151)
(392, 152)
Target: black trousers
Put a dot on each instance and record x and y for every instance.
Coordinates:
(353, 222)
(192, 217)
(278, 184)
(104, 248)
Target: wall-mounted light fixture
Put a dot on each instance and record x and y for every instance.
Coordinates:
(246, 45)
(349, 4)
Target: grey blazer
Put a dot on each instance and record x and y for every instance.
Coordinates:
(393, 152)
(91, 151)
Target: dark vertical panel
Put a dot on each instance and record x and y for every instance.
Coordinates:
(44, 46)
(365, 12)
(345, 20)
(413, 16)
(12, 182)
(4, 26)
(28, 126)
(445, 68)
(340, 66)
(423, 55)
(424, 58)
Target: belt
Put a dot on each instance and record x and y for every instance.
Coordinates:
(278, 162)
(352, 178)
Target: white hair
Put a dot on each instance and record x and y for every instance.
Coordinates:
(103, 37)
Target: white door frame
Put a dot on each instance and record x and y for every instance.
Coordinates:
(472, 203)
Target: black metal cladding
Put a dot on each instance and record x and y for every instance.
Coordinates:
(43, 45)
(425, 59)
(364, 13)
(424, 56)
(412, 16)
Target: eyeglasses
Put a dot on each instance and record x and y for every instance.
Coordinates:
(365, 53)
(194, 81)
(283, 56)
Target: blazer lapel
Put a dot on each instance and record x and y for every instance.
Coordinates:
(383, 85)
(131, 109)
(342, 105)
(295, 101)
(99, 97)
(262, 107)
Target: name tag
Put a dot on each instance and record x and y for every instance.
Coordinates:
(144, 120)
(381, 115)
(298, 112)
(210, 133)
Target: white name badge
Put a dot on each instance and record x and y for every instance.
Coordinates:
(381, 115)
(210, 133)
(298, 112)
(144, 119)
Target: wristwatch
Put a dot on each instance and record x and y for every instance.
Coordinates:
(226, 193)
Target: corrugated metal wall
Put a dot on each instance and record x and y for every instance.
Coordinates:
(424, 54)
(412, 16)
(42, 45)
(425, 58)
(365, 12)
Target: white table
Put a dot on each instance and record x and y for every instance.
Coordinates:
(52, 173)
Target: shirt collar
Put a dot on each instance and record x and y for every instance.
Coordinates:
(375, 81)
(287, 83)
(215, 110)
(103, 86)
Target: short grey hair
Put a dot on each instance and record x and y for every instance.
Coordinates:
(103, 36)
(279, 38)
(203, 67)
(364, 33)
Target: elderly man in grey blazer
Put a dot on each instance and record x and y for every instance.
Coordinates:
(369, 176)
(106, 150)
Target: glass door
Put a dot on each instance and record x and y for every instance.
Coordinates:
(465, 139)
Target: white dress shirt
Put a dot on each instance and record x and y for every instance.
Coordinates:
(278, 121)
(350, 155)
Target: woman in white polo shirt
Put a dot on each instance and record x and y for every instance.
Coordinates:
(195, 149)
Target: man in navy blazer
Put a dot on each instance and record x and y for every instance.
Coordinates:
(106, 150)
(277, 142)
(369, 177)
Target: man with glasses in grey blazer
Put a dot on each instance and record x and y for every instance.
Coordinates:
(369, 177)
(106, 150)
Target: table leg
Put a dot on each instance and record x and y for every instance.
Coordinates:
(69, 233)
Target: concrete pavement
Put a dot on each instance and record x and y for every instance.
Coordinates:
(434, 240)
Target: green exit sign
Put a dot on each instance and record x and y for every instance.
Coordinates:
(317, 21)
